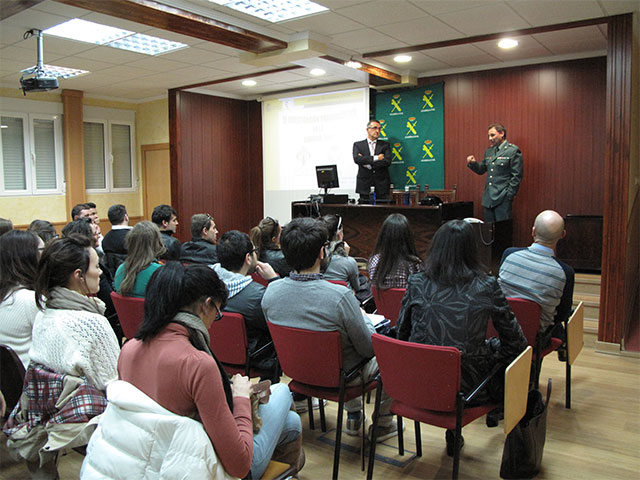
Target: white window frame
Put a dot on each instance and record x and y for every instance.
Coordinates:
(108, 156)
(30, 156)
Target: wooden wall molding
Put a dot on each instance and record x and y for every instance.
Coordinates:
(73, 139)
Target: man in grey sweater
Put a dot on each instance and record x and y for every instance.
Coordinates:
(305, 300)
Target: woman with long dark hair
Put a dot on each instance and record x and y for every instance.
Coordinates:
(171, 361)
(394, 257)
(19, 253)
(450, 303)
(266, 238)
(144, 246)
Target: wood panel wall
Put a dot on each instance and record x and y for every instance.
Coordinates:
(554, 112)
(216, 160)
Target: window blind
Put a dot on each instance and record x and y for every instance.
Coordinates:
(94, 156)
(13, 160)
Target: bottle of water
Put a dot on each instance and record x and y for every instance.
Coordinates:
(407, 195)
(372, 195)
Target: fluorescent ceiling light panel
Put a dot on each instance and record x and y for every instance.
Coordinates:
(249, 83)
(317, 72)
(274, 10)
(507, 43)
(98, 34)
(57, 72)
(89, 32)
(402, 58)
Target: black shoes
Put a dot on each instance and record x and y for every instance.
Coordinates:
(450, 436)
(494, 416)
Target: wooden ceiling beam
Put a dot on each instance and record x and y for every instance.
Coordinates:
(487, 37)
(154, 14)
(238, 77)
(387, 75)
(9, 8)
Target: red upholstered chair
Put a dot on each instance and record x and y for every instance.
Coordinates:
(230, 344)
(130, 311)
(424, 383)
(256, 277)
(388, 301)
(11, 377)
(338, 282)
(313, 361)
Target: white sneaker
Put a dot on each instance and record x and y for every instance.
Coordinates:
(302, 405)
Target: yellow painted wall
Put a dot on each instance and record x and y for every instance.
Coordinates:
(152, 126)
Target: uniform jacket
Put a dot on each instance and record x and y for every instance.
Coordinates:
(147, 441)
(378, 175)
(504, 168)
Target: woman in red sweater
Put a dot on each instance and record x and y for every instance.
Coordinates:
(171, 362)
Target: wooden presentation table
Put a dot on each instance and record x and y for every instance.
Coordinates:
(363, 222)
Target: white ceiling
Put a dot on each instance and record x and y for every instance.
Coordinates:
(350, 29)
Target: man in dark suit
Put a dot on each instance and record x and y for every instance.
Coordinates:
(113, 244)
(373, 157)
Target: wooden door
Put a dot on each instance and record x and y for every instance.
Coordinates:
(156, 177)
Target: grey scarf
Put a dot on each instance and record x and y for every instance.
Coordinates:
(64, 299)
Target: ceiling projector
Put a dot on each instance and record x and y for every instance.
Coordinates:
(35, 79)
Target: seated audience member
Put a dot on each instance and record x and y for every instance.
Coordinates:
(266, 237)
(85, 227)
(202, 247)
(305, 300)
(74, 354)
(5, 226)
(113, 244)
(90, 211)
(166, 218)
(171, 361)
(395, 256)
(43, 229)
(450, 303)
(238, 260)
(81, 210)
(19, 253)
(533, 273)
(144, 246)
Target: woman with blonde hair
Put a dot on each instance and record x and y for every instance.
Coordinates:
(144, 246)
(266, 238)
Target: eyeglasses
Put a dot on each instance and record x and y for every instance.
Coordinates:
(373, 128)
(254, 249)
(218, 313)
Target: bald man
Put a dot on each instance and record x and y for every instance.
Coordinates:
(533, 273)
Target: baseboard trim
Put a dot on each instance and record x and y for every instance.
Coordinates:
(607, 347)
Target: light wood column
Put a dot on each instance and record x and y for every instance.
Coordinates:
(73, 128)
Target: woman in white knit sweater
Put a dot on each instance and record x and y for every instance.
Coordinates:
(19, 252)
(71, 335)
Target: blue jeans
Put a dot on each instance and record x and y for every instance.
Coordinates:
(280, 425)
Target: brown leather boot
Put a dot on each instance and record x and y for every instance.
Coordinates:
(291, 453)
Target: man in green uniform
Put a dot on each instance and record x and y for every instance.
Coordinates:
(503, 163)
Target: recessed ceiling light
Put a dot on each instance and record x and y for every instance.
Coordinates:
(402, 58)
(98, 34)
(249, 83)
(353, 64)
(316, 72)
(273, 10)
(507, 43)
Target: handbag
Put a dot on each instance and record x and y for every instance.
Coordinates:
(524, 445)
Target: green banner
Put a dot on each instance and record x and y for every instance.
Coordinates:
(413, 123)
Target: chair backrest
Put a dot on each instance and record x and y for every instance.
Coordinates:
(527, 314)
(130, 312)
(338, 282)
(445, 195)
(308, 356)
(11, 376)
(575, 333)
(516, 388)
(422, 376)
(229, 339)
(256, 277)
(388, 301)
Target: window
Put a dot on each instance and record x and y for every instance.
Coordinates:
(31, 154)
(108, 156)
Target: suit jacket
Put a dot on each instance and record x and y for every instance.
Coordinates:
(504, 166)
(378, 175)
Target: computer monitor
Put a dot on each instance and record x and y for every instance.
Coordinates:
(327, 176)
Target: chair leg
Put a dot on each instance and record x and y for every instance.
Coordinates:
(400, 436)
(323, 422)
(416, 425)
(336, 453)
(456, 441)
(312, 423)
(567, 400)
(374, 431)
